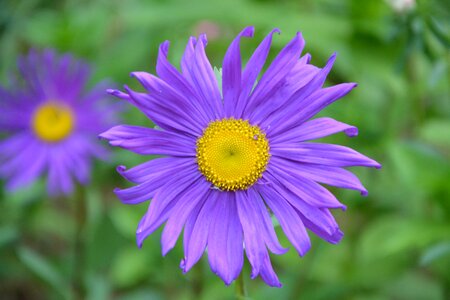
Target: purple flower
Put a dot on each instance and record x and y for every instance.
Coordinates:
(232, 156)
(50, 123)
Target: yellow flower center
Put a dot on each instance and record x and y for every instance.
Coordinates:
(232, 154)
(52, 122)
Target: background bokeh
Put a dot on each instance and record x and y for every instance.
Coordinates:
(397, 240)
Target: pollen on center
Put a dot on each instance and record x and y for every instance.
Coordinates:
(232, 154)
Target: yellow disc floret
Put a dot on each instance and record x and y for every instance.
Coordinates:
(52, 122)
(232, 154)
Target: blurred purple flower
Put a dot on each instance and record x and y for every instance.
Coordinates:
(50, 123)
(232, 156)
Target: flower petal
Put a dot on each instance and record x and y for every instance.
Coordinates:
(170, 75)
(308, 190)
(252, 70)
(155, 169)
(315, 225)
(225, 251)
(289, 220)
(323, 154)
(333, 176)
(314, 129)
(148, 141)
(165, 199)
(163, 94)
(146, 190)
(198, 71)
(231, 72)
(275, 75)
(190, 202)
(195, 240)
(319, 216)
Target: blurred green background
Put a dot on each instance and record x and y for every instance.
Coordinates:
(397, 240)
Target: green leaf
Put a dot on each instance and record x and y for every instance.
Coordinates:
(391, 236)
(44, 270)
(435, 252)
(7, 235)
(437, 132)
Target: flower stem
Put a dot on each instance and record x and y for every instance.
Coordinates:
(78, 261)
(241, 292)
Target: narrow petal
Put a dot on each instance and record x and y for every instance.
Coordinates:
(268, 274)
(252, 70)
(334, 236)
(251, 224)
(312, 105)
(199, 72)
(159, 113)
(225, 251)
(146, 190)
(164, 201)
(167, 72)
(333, 176)
(278, 122)
(319, 216)
(163, 94)
(190, 202)
(195, 244)
(231, 72)
(30, 170)
(275, 75)
(289, 220)
(156, 168)
(266, 228)
(314, 129)
(148, 141)
(308, 190)
(323, 154)
(297, 79)
(59, 179)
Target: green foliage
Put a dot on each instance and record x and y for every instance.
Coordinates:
(397, 239)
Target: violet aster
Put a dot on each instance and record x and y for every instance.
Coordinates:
(232, 157)
(50, 123)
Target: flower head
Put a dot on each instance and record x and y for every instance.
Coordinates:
(50, 123)
(231, 156)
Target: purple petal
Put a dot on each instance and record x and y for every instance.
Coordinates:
(306, 189)
(164, 201)
(195, 242)
(146, 190)
(225, 248)
(190, 202)
(266, 226)
(314, 104)
(198, 71)
(315, 225)
(267, 273)
(297, 79)
(275, 75)
(159, 113)
(323, 154)
(319, 216)
(289, 220)
(59, 180)
(148, 141)
(170, 74)
(333, 176)
(164, 95)
(155, 169)
(231, 72)
(251, 71)
(253, 238)
(314, 129)
(30, 169)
